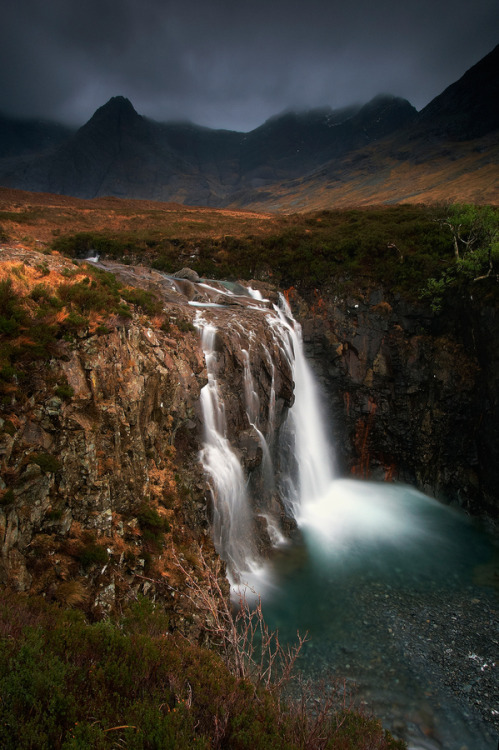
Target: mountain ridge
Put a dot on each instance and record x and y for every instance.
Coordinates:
(293, 161)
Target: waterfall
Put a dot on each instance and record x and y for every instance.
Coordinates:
(253, 412)
(368, 551)
(232, 521)
(304, 441)
(296, 465)
(300, 448)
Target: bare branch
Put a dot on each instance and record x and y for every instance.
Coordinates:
(249, 648)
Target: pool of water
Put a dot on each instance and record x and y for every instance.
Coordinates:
(394, 591)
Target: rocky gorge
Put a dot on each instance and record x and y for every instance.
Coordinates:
(101, 475)
(107, 493)
(413, 396)
(100, 469)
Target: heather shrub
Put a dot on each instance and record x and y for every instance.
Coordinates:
(71, 685)
(85, 244)
(152, 526)
(86, 297)
(147, 301)
(92, 554)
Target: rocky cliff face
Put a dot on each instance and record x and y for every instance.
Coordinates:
(101, 486)
(93, 494)
(411, 400)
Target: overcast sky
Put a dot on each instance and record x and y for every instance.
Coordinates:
(230, 64)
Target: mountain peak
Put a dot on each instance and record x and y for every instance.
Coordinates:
(116, 116)
(117, 106)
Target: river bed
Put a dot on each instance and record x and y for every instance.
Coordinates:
(397, 595)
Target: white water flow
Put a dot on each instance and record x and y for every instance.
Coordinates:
(233, 526)
(337, 515)
(379, 576)
(304, 438)
(232, 522)
(253, 414)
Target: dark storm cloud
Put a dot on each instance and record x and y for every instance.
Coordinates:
(233, 65)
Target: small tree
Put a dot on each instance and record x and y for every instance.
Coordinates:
(475, 237)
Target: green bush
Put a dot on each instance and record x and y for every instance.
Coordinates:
(40, 293)
(47, 463)
(43, 269)
(123, 310)
(144, 299)
(12, 313)
(70, 685)
(64, 391)
(87, 297)
(185, 326)
(152, 526)
(92, 554)
(474, 231)
(149, 518)
(84, 244)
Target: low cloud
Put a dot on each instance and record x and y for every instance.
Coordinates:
(224, 65)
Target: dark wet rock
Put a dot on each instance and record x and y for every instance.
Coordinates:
(413, 397)
(250, 446)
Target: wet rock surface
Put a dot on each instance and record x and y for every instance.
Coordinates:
(412, 397)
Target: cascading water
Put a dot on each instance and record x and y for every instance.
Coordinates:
(232, 522)
(253, 412)
(374, 560)
(232, 516)
(304, 440)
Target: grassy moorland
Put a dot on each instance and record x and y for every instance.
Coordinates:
(400, 247)
(35, 219)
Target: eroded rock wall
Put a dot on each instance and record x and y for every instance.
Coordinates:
(85, 472)
(412, 397)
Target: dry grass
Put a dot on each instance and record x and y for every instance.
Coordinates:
(71, 593)
(34, 219)
(27, 275)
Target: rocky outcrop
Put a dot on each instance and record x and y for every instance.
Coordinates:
(94, 481)
(101, 489)
(413, 398)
